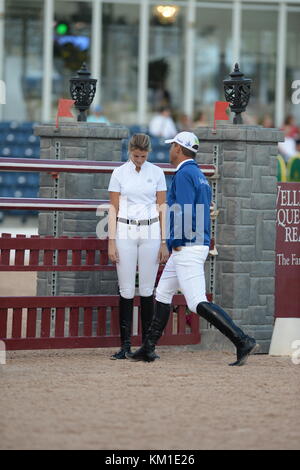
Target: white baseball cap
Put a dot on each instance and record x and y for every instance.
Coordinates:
(186, 139)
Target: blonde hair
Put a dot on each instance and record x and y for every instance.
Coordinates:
(140, 142)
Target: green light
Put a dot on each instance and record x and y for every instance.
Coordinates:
(62, 28)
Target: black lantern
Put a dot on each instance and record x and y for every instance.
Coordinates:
(237, 93)
(83, 89)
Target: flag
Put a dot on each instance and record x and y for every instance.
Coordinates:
(220, 112)
(64, 109)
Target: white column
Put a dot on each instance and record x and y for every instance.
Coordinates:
(96, 47)
(236, 31)
(2, 56)
(285, 337)
(47, 60)
(143, 62)
(2, 24)
(189, 66)
(280, 66)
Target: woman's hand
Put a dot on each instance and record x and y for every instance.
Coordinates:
(113, 254)
(163, 253)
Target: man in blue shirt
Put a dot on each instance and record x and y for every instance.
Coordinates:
(189, 201)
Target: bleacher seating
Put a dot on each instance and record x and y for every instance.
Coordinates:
(17, 141)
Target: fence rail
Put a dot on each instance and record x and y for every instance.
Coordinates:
(53, 254)
(80, 166)
(81, 322)
(36, 253)
(44, 204)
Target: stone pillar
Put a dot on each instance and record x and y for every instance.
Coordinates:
(245, 233)
(77, 141)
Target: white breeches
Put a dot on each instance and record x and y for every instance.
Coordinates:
(137, 246)
(184, 271)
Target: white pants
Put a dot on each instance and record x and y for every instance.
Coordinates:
(137, 245)
(184, 271)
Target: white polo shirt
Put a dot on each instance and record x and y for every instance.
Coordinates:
(137, 189)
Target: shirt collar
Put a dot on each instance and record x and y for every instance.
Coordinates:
(184, 161)
(132, 165)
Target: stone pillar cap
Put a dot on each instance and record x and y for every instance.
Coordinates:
(82, 129)
(239, 132)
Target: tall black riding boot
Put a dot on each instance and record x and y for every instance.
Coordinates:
(125, 319)
(160, 319)
(224, 323)
(147, 312)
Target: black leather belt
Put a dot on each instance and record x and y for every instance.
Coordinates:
(137, 222)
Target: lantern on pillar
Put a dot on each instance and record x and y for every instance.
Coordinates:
(237, 93)
(82, 89)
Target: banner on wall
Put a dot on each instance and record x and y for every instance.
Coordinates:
(287, 273)
(286, 332)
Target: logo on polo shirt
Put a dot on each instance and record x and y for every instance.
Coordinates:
(203, 181)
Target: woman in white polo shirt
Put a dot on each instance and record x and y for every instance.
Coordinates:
(136, 189)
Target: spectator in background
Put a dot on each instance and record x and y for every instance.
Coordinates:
(298, 145)
(184, 122)
(97, 115)
(250, 120)
(287, 149)
(200, 119)
(162, 125)
(290, 128)
(266, 121)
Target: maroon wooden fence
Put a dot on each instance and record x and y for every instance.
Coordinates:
(81, 322)
(53, 254)
(72, 321)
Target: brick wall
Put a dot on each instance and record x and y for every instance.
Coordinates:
(245, 266)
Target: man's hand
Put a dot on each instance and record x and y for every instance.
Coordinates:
(213, 211)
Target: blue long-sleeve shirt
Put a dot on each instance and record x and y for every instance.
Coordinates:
(189, 200)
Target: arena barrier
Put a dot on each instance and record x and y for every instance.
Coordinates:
(86, 321)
